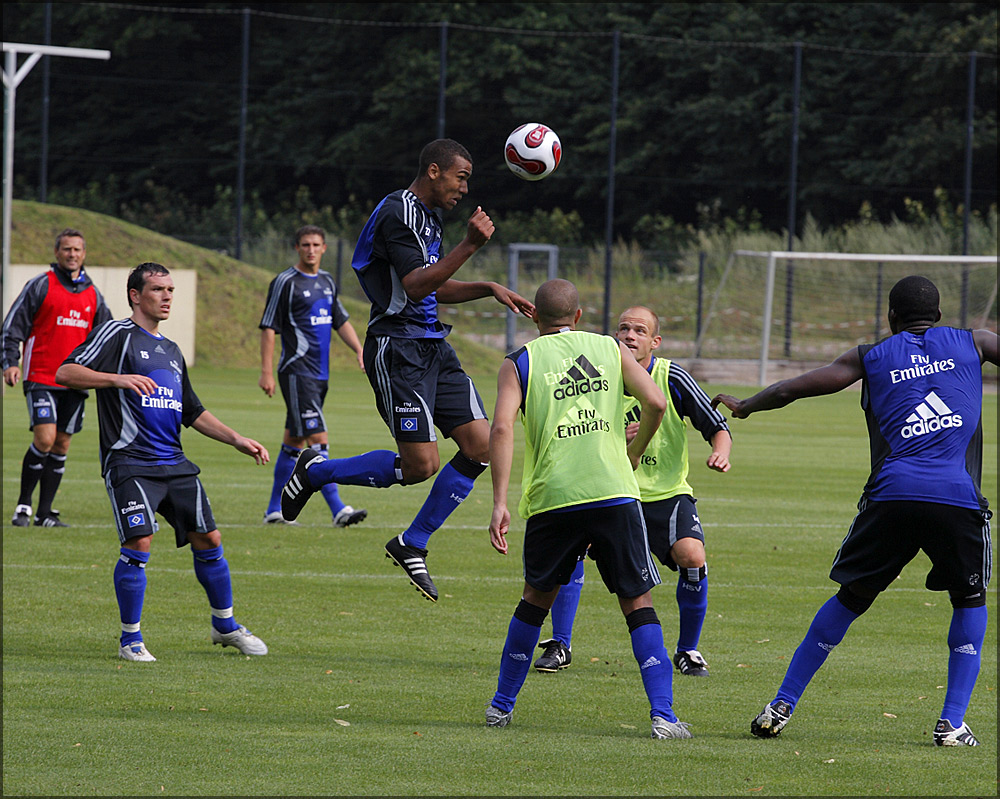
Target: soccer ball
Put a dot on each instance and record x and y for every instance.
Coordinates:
(532, 151)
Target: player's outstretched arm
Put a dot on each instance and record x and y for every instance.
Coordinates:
(829, 379)
(208, 425)
(73, 375)
(421, 283)
(456, 291)
(502, 451)
(986, 343)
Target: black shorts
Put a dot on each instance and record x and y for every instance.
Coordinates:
(304, 397)
(555, 540)
(419, 385)
(61, 407)
(180, 500)
(885, 536)
(667, 521)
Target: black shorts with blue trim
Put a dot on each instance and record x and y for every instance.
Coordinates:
(419, 384)
(669, 520)
(555, 540)
(179, 498)
(59, 406)
(304, 397)
(885, 536)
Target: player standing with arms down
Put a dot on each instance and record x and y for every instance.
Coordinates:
(53, 314)
(673, 526)
(143, 398)
(579, 490)
(922, 395)
(302, 307)
(418, 381)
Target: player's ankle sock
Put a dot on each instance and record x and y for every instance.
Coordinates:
(212, 571)
(522, 637)
(284, 465)
(330, 492)
(826, 631)
(654, 662)
(32, 466)
(376, 469)
(564, 608)
(52, 475)
(130, 588)
(452, 485)
(692, 601)
(965, 644)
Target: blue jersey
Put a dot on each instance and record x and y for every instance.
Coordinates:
(401, 235)
(922, 396)
(304, 310)
(140, 433)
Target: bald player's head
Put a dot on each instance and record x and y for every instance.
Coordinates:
(556, 303)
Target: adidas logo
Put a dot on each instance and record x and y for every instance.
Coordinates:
(826, 647)
(518, 656)
(652, 661)
(965, 649)
(930, 416)
(581, 378)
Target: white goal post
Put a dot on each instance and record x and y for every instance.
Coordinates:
(986, 296)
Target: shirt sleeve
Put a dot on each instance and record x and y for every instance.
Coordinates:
(692, 402)
(101, 350)
(403, 246)
(273, 306)
(192, 405)
(20, 317)
(102, 313)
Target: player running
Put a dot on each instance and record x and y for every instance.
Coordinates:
(922, 395)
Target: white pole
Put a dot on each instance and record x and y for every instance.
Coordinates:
(12, 77)
(765, 338)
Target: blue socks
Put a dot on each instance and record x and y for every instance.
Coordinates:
(965, 644)
(448, 492)
(826, 631)
(654, 662)
(692, 601)
(212, 571)
(130, 588)
(376, 469)
(330, 492)
(564, 608)
(522, 638)
(284, 464)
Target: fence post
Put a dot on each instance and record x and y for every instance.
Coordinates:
(793, 177)
(701, 294)
(969, 126)
(442, 75)
(242, 156)
(612, 143)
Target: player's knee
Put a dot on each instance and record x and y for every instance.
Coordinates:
(960, 599)
(856, 598)
(693, 574)
(467, 467)
(530, 614)
(641, 616)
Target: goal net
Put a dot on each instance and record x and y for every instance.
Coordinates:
(812, 306)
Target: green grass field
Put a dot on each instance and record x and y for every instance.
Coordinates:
(369, 690)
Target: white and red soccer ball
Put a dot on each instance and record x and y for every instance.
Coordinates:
(532, 151)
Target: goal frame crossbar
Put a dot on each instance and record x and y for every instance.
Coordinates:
(773, 256)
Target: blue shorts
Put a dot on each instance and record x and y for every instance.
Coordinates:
(885, 536)
(180, 500)
(669, 520)
(304, 397)
(61, 407)
(555, 540)
(419, 384)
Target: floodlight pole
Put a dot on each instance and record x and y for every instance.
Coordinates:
(12, 77)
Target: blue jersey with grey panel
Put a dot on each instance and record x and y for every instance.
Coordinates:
(401, 235)
(922, 395)
(304, 310)
(140, 433)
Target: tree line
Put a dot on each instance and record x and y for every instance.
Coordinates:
(340, 97)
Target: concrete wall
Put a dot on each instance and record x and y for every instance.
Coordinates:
(111, 280)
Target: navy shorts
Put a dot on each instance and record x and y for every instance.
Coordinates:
(885, 536)
(419, 384)
(135, 500)
(304, 397)
(667, 521)
(555, 540)
(61, 407)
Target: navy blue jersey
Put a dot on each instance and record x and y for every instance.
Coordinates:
(141, 433)
(304, 310)
(922, 396)
(401, 235)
